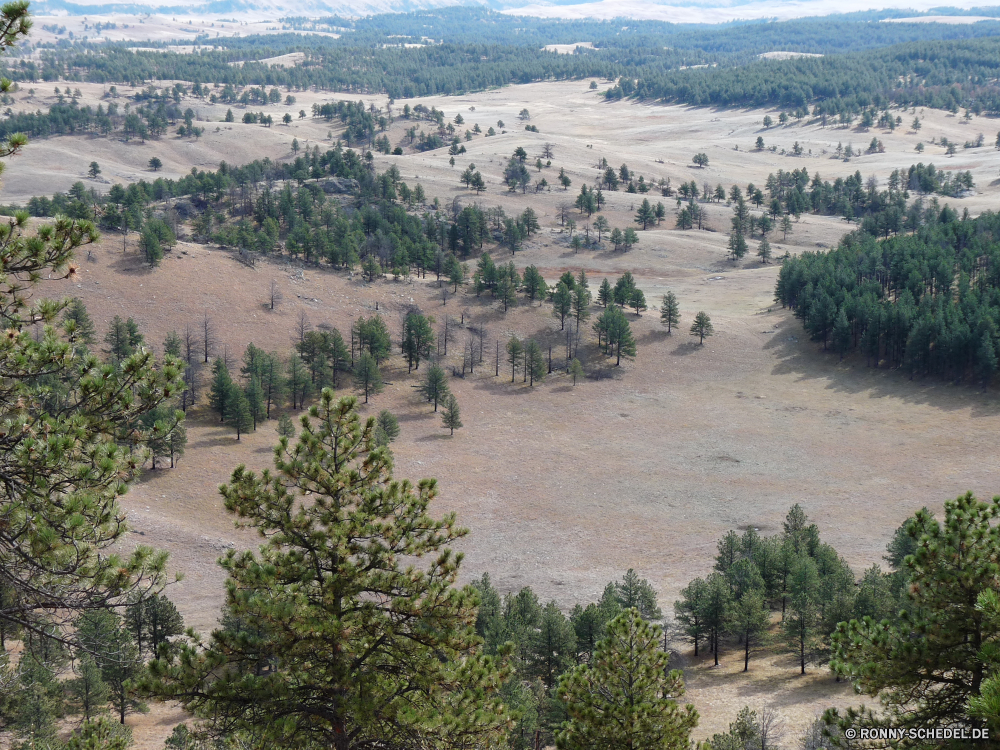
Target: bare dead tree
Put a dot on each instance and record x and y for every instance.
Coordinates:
(548, 150)
(207, 337)
(772, 728)
(563, 211)
(302, 326)
(191, 344)
(274, 296)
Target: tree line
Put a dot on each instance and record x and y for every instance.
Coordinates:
(926, 301)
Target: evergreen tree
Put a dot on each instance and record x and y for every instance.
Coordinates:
(670, 314)
(614, 331)
(515, 353)
(367, 376)
(256, 406)
(451, 416)
(702, 327)
(605, 295)
(637, 593)
(64, 469)
(581, 304)
(220, 396)
(801, 623)
(646, 214)
(637, 301)
(285, 426)
(928, 663)
(533, 284)
(688, 611)
(552, 648)
(716, 610)
(434, 388)
(240, 415)
(123, 338)
(78, 324)
(624, 288)
(88, 688)
(575, 369)
(534, 362)
(386, 427)
(562, 304)
(104, 634)
(418, 338)
(764, 251)
(338, 528)
(749, 621)
(625, 697)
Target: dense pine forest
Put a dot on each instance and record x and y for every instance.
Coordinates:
(866, 62)
(926, 301)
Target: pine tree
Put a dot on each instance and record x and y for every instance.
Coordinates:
(688, 611)
(515, 353)
(637, 593)
(104, 634)
(702, 327)
(418, 338)
(534, 362)
(240, 412)
(221, 393)
(750, 619)
(450, 416)
(562, 303)
(386, 427)
(716, 610)
(637, 301)
(64, 473)
(78, 324)
(254, 395)
(575, 369)
(581, 303)
(670, 314)
(605, 295)
(338, 529)
(926, 664)
(737, 245)
(552, 648)
(625, 697)
(88, 688)
(367, 376)
(285, 426)
(764, 251)
(434, 388)
(801, 621)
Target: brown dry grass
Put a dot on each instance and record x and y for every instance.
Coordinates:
(562, 487)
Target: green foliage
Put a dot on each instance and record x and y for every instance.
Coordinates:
(123, 338)
(702, 326)
(625, 697)
(418, 338)
(78, 324)
(286, 428)
(562, 303)
(670, 315)
(615, 334)
(332, 500)
(367, 376)
(534, 362)
(434, 388)
(386, 427)
(575, 370)
(450, 416)
(637, 593)
(928, 663)
(104, 634)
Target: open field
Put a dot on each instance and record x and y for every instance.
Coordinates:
(563, 488)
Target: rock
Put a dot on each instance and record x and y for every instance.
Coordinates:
(339, 186)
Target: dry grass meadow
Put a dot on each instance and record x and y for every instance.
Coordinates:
(563, 488)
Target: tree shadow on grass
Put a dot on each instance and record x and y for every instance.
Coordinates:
(131, 265)
(797, 355)
(436, 436)
(686, 348)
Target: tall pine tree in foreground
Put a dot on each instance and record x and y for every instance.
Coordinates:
(927, 664)
(63, 470)
(349, 649)
(625, 697)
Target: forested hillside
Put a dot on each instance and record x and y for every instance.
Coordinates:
(457, 50)
(927, 301)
